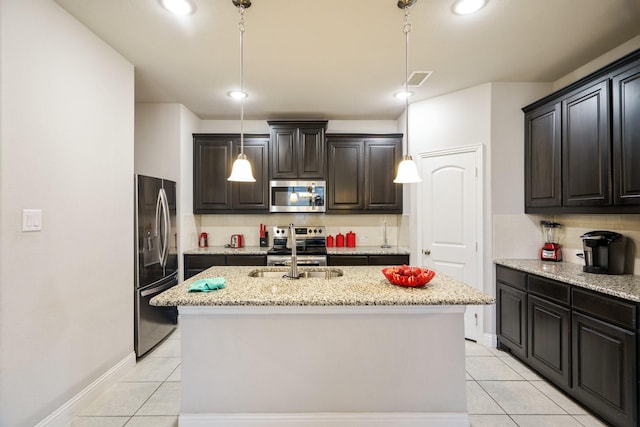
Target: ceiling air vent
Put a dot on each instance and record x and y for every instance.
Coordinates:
(418, 77)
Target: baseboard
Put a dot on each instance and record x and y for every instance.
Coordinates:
(490, 340)
(326, 420)
(63, 416)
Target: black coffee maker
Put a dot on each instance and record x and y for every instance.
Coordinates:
(604, 252)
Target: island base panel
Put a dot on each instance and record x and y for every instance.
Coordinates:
(382, 366)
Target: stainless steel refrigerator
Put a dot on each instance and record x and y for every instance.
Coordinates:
(156, 260)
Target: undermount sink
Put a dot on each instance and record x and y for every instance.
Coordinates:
(327, 273)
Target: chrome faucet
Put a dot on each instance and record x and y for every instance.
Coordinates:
(293, 273)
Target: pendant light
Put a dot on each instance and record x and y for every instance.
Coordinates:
(241, 170)
(407, 169)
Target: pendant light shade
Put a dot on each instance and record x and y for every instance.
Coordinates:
(407, 169)
(241, 170)
(407, 172)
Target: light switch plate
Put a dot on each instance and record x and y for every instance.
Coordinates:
(31, 219)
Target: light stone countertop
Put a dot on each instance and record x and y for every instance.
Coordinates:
(223, 250)
(368, 250)
(359, 286)
(626, 286)
(257, 250)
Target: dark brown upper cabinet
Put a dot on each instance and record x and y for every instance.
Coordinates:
(626, 136)
(361, 172)
(582, 144)
(297, 149)
(213, 156)
(543, 168)
(586, 144)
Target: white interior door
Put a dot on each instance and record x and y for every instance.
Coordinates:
(450, 215)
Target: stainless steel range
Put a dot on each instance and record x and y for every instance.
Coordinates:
(310, 242)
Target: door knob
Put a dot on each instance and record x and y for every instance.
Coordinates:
(426, 251)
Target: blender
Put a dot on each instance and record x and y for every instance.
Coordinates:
(551, 249)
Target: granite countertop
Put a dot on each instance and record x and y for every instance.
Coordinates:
(257, 250)
(368, 250)
(357, 287)
(626, 286)
(223, 250)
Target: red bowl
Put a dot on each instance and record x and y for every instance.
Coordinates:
(408, 276)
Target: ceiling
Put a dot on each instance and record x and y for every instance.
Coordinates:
(344, 59)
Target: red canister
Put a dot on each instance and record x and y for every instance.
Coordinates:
(351, 240)
(329, 241)
(340, 240)
(203, 241)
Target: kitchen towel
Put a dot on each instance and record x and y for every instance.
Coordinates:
(207, 285)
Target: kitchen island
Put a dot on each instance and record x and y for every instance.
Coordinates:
(352, 350)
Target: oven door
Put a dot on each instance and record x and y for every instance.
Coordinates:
(297, 196)
(303, 260)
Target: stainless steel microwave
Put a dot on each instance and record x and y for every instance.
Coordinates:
(297, 196)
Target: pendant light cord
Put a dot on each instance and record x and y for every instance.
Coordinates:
(241, 28)
(406, 29)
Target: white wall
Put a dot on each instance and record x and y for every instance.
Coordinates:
(488, 115)
(189, 122)
(66, 147)
(157, 140)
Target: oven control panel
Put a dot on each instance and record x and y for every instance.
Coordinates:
(301, 232)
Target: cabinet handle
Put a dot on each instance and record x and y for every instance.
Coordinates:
(426, 251)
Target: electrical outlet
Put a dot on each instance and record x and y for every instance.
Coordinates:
(31, 219)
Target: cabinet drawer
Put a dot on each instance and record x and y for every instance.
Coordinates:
(346, 260)
(203, 261)
(388, 259)
(517, 279)
(550, 289)
(246, 260)
(619, 312)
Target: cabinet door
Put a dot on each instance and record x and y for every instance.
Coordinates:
(381, 161)
(604, 372)
(311, 152)
(211, 168)
(297, 150)
(585, 147)
(283, 152)
(194, 264)
(511, 320)
(626, 137)
(542, 164)
(253, 196)
(346, 176)
(548, 340)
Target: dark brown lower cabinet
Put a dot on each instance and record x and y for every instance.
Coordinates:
(512, 319)
(583, 341)
(548, 340)
(194, 264)
(344, 260)
(604, 372)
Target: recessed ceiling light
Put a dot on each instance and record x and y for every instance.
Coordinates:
(402, 94)
(465, 7)
(236, 94)
(178, 7)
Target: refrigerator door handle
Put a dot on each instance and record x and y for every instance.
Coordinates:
(166, 229)
(159, 218)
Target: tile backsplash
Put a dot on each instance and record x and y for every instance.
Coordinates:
(368, 228)
(520, 236)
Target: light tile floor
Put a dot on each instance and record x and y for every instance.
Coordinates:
(501, 392)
